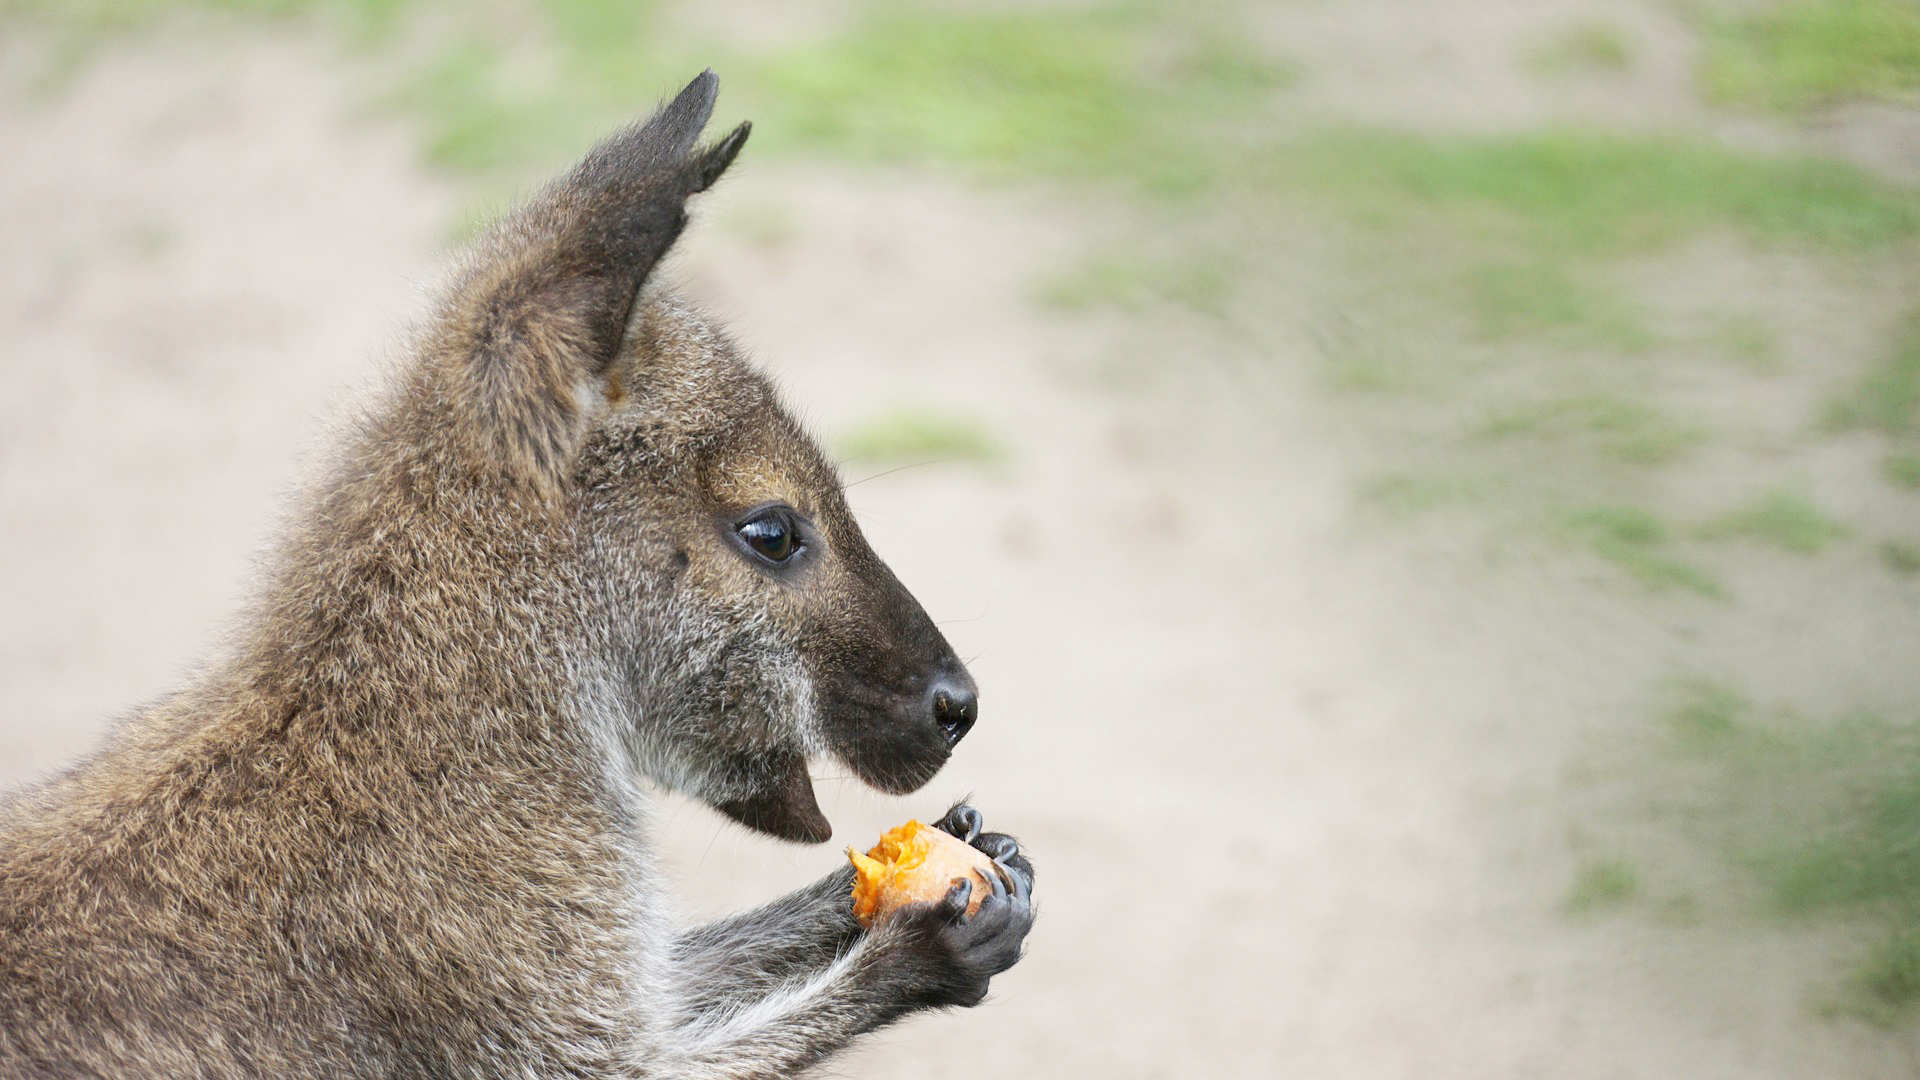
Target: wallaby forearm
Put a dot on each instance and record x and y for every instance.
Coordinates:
(803, 1021)
(927, 956)
(736, 961)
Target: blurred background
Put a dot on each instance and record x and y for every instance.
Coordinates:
(1430, 491)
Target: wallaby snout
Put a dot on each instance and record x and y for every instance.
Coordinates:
(955, 705)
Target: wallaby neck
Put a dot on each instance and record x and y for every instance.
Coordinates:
(420, 604)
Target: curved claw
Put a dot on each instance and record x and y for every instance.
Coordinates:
(959, 895)
(1022, 882)
(1006, 852)
(962, 821)
(999, 885)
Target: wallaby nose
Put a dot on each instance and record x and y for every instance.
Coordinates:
(955, 705)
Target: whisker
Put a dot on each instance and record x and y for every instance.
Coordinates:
(895, 469)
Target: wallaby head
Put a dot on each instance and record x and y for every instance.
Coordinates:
(733, 620)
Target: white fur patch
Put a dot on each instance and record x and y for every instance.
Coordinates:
(713, 1032)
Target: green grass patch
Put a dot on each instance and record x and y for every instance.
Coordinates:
(1149, 97)
(1856, 849)
(1637, 541)
(1602, 884)
(1824, 814)
(1782, 519)
(1544, 299)
(1900, 556)
(1887, 397)
(1704, 713)
(1579, 192)
(1885, 987)
(1800, 55)
(1618, 428)
(1587, 47)
(1863, 846)
(913, 435)
(1902, 470)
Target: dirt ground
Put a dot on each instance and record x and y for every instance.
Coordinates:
(1296, 792)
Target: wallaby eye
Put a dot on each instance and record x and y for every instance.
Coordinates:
(771, 534)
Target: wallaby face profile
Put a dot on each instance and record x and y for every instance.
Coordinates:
(398, 831)
(750, 622)
(747, 625)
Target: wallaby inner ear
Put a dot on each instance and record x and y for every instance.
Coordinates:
(529, 337)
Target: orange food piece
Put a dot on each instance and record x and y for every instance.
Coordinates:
(915, 864)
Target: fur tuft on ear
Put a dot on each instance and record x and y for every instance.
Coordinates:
(528, 336)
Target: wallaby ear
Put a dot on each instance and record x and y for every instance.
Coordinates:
(530, 334)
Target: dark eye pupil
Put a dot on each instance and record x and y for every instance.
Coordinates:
(769, 536)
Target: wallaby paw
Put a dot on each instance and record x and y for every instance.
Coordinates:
(967, 951)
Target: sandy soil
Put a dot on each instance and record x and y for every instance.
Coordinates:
(1296, 792)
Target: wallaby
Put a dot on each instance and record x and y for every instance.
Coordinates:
(402, 829)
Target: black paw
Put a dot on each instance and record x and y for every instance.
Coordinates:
(965, 951)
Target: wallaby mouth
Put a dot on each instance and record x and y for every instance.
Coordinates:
(785, 807)
(894, 743)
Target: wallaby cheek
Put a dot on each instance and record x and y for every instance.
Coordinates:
(737, 671)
